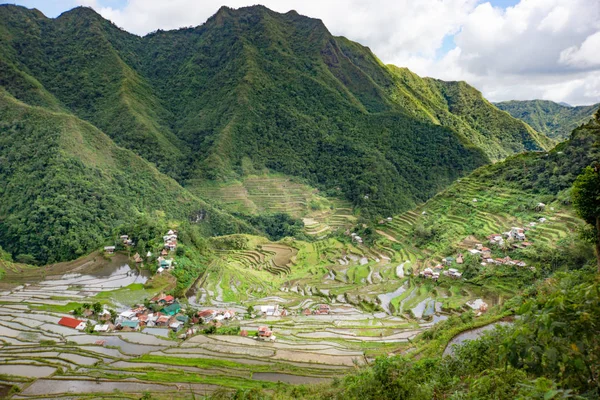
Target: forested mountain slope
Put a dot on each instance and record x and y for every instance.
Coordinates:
(65, 186)
(552, 119)
(253, 89)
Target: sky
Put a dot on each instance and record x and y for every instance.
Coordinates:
(508, 49)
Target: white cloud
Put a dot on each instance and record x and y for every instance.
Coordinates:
(586, 55)
(538, 48)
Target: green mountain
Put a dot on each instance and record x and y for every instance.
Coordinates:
(556, 120)
(253, 89)
(66, 186)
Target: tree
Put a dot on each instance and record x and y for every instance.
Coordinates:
(586, 200)
(97, 307)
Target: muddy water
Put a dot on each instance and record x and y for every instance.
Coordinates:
(49, 387)
(115, 341)
(34, 371)
(108, 277)
(386, 298)
(288, 378)
(470, 335)
(425, 308)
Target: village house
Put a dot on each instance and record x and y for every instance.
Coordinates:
(264, 332)
(459, 259)
(72, 323)
(478, 305)
(127, 315)
(227, 314)
(448, 261)
(207, 315)
(323, 309)
(495, 239)
(102, 328)
(137, 258)
(429, 274)
(129, 325)
(109, 249)
(307, 311)
(104, 315)
(176, 326)
(516, 233)
(453, 273)
(270, 310)
(162, 299)
(542, 220)
(171, 309)
(486, 252)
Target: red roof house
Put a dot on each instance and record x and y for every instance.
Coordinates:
(169, 299)
(72, 323)
(264, 331)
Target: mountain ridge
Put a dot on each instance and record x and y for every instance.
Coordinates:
(251, 90)
(556, 120)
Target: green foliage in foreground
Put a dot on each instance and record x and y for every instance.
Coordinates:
(550, 118)
(586, 199)
(551, 352)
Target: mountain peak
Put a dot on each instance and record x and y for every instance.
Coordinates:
(81, 12)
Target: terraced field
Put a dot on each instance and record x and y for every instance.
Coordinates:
(471, 209)
(377, 304)
(277, 193)
(44, 359)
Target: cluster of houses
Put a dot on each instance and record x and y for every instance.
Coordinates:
(169, 315)
(516, 236)
(434, 273)
(320, 309)
(356, 238)
(216, 316)
(170, 244)
(164, 263)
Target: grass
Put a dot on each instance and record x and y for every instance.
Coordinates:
(131, 294)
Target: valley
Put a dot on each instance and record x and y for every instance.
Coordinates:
(377, 302)
(254, 208)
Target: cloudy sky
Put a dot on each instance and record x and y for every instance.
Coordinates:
(509, 49)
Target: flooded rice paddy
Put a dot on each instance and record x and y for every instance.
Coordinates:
(309, 349)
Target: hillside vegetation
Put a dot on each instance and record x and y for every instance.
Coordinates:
(551, 350)
(552, 119)
(252, 89)
(66, 186)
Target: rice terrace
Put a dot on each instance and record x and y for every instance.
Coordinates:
(259, 208)
(333, 303)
